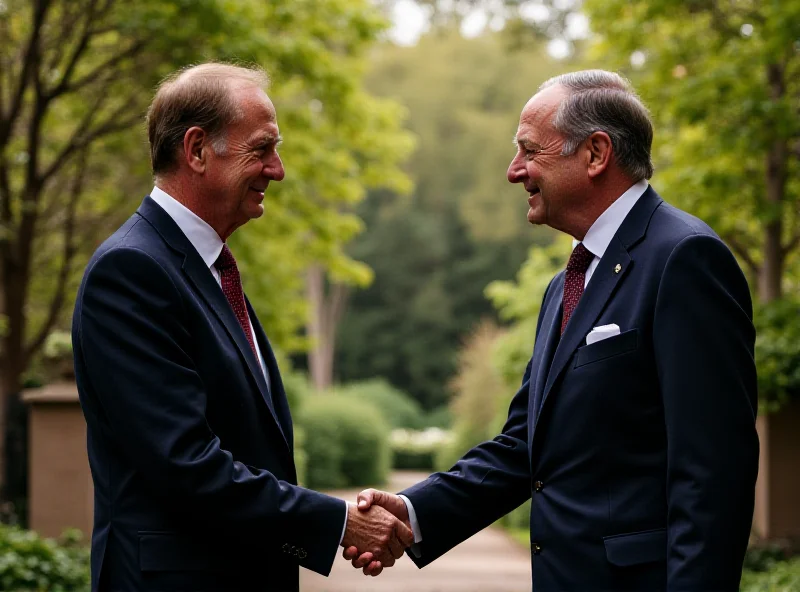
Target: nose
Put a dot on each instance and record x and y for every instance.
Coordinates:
(273, 168)
(516, 170)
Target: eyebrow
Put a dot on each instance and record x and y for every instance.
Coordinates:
(526, 143)
(267, 139)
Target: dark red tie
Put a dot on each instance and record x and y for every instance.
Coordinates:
(577, 265)
(231, 284)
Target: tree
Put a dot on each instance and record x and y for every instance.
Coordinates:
(723, 82)
(464, 225)
(75, 79)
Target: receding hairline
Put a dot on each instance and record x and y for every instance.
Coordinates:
(231, 75)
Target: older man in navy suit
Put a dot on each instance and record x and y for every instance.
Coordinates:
(634, 429)
(189, 432)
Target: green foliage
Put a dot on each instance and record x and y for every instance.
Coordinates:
(417, 449)
(346, 445)
(764, 555)
(519, 302)
(478, 390)
(464, 226)
(30, 562)
(339, 139)
(781, 576)
(722, 81)
(441, 417)
(778, 352)
(518, 520)
(397, 408)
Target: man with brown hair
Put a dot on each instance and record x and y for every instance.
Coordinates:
(189, 432)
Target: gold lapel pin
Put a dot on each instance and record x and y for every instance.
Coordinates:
(618, 268)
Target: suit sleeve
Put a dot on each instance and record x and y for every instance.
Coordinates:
(135, 342)
(704, 342)
(487, 483)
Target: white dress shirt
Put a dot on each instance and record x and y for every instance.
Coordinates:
(605, 227)
(205, 241)
(208, 245)
(596, 241)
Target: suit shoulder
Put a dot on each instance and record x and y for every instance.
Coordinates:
(136, 238)
(670, 226)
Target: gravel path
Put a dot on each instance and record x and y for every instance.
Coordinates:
(490, 561)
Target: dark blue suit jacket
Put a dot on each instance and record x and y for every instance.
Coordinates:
(640, 451)
(190, 451)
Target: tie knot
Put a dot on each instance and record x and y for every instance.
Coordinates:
(580, 259)
(225, 259)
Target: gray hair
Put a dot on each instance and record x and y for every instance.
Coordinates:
(605, 101)
(196, 96)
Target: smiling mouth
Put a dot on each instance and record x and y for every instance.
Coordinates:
(533, 194)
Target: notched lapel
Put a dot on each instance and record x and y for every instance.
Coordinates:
(545, 347)
(201, 277)
(604, 281)
(205, 284)
(276, 391)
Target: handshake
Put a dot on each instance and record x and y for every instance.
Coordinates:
(378, 531)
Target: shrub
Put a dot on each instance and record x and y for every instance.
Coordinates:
(399, 409)
(346, 444)
(30, 562)
(778, 352)
(783, 576)
(479, 393)
(417, 449)
(441, 417)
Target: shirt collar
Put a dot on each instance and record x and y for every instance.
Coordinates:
(605, 227)
(204, 239)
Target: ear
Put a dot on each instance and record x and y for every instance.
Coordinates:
(600, 152)
(196, 148)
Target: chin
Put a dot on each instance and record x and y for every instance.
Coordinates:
(255, 211)
(535, 218)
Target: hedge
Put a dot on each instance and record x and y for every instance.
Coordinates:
(346, 445)
(31, 562)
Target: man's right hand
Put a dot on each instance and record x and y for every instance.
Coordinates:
(372, 499)
(376, 535)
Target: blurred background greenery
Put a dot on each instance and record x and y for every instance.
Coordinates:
(394, 268)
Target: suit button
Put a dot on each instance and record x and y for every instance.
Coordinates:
(537, 548)
(537, 486)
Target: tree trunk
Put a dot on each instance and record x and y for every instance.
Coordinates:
(324, 316)
(13, 361)
(769, 285)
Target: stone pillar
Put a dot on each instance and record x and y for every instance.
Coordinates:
(777, 512)
(59, 482)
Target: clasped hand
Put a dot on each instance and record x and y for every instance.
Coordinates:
(378, 531)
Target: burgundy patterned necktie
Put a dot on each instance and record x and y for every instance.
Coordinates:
(577, 265)
(231, 284)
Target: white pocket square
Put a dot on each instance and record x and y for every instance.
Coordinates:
(602, 332)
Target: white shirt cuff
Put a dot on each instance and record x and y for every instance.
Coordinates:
(344, 529)
(344, 526)
(412, 518)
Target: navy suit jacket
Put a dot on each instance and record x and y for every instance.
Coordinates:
(640, 451)
(190, 450)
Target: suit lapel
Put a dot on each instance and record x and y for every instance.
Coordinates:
(276, 393)
(608, 274)
(546, 345)
(200, 276)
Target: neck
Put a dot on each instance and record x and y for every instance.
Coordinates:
(604, 192)
(191, 196)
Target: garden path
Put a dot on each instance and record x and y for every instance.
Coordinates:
(490, 561)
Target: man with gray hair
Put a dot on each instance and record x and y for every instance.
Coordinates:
(633, 432)
(189, 432)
